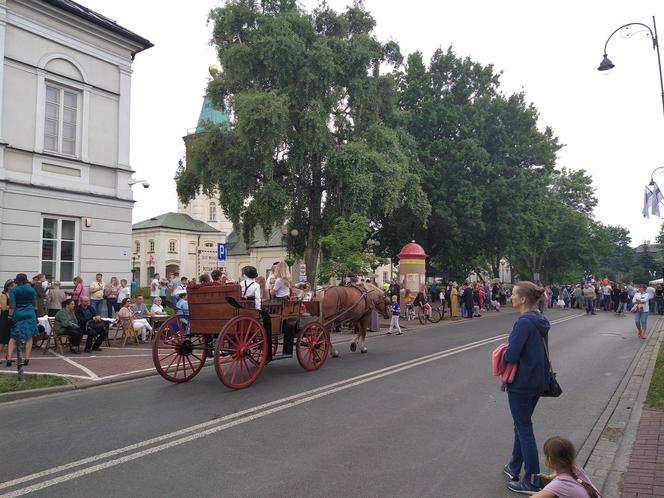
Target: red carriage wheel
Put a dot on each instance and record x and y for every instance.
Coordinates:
(241, 352)
(177, 354)
(312, 346)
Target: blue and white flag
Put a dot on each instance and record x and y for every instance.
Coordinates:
(647, 200)
(657, 198)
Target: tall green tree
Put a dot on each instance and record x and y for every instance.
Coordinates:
(345, 250)
(618, 263)
(315, 128)
(483, 154)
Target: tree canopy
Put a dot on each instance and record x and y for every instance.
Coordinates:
(315, 128)
(331, 128)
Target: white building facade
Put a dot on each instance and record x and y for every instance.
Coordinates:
(173, 243)
(65, 90)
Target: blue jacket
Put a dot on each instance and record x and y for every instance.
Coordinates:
(526, 348)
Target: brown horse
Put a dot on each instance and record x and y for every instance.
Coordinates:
(354, 304)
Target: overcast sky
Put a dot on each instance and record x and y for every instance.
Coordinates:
(612, 124)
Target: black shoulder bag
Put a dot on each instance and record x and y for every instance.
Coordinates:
(553, 389)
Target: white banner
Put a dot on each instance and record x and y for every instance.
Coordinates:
(207, 261)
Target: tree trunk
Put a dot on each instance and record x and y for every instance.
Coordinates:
(495, 266)
(311, 254)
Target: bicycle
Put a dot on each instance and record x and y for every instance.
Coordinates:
(408, 312)
(432, 316)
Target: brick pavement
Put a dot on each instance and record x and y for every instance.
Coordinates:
(645, 474)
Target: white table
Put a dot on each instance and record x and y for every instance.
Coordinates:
(43, 321)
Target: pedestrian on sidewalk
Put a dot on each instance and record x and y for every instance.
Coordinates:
(396, 311)
(526, 347)
(568, 479)
(641, 309)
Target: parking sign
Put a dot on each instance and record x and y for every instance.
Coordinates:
(221, 251)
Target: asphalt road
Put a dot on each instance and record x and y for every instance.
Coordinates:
(420, 415)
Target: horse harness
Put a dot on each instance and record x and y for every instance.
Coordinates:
(364, 293)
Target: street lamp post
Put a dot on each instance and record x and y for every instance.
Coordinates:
(606, 64)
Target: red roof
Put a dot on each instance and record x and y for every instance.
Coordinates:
(412, 250)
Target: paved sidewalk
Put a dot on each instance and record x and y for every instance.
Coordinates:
(645, 474)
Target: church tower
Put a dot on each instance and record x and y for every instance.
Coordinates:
(202, 207)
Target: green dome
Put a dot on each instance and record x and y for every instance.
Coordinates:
(210, 114)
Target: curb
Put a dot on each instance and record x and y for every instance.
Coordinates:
(606, 452)
(34, 393)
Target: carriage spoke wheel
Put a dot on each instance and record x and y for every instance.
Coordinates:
(312, 346)
(177, 355)
(241, 352)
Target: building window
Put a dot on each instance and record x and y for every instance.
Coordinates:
(213, 212)
(61, 120)
(151, 245)
(172, 245)
(58, 248)
(209, 244)
(138, 247)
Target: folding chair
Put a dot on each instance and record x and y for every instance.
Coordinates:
(59, 341)
(126, 327)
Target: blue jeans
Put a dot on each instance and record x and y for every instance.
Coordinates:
(660, 305)
(97, 305)
(590, 305)
(524, 452)
(641, 319)
(110, 306)
(607, 302)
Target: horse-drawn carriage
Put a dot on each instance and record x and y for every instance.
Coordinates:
(246, 338)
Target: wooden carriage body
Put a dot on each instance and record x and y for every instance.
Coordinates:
(209, 310)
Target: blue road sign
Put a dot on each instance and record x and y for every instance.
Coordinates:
(221, 251)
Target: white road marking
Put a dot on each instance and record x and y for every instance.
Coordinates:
(229, 421)
(90, 373)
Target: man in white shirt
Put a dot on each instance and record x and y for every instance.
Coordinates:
(249, 288)
(606, 294)
(124, 291)
(154, 286)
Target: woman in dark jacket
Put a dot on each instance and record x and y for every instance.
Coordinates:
(527, 349)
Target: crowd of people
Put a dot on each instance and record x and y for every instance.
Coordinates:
(83, 310)
(466, 300)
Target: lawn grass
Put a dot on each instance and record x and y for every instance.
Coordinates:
(9, 382)
(656, 392)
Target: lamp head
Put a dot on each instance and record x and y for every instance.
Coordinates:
(606, 64)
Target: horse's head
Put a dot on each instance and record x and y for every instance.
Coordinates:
(377, 297)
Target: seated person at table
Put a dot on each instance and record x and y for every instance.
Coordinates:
(67, 325)
(140, 325)
(140, 309)
(157, 308)
(91, 324)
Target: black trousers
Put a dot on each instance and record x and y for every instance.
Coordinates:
(97, 332)
(75, 335)
(469, 310)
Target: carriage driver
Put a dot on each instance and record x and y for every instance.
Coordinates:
(249, 287)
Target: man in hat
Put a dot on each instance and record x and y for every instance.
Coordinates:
(249, 288)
